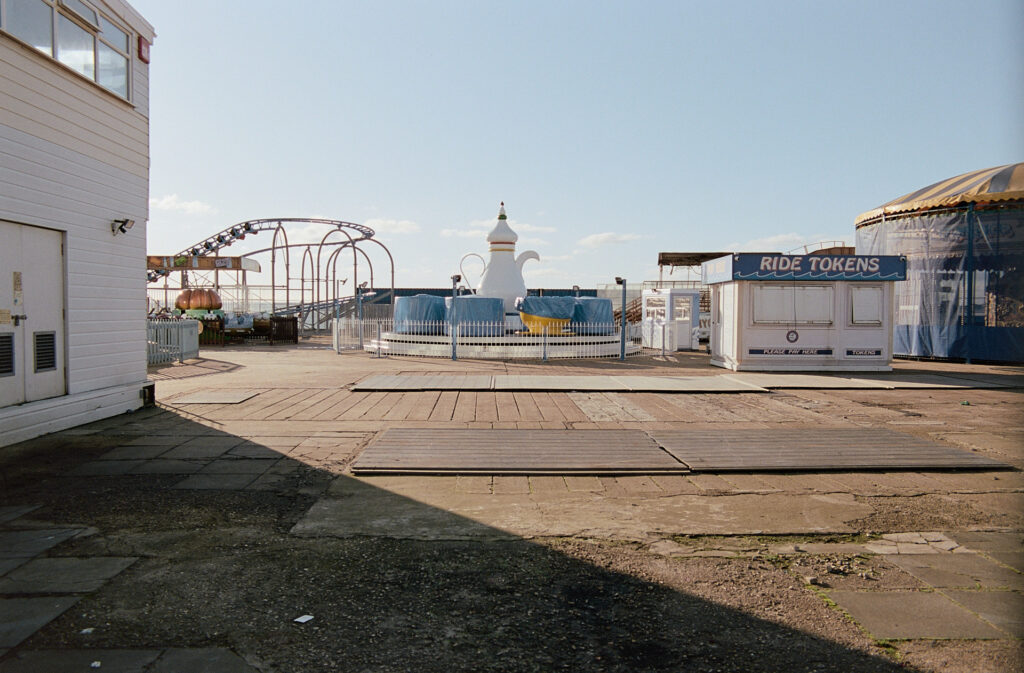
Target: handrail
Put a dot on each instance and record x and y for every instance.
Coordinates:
(237, 232)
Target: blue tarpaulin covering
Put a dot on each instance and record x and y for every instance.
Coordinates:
(595, 313)
(419, 314)
(485, 316)
(559, 308)
(964, 293)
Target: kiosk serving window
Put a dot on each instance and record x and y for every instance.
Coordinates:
(866, 305)
(791, 304)
(655, 308)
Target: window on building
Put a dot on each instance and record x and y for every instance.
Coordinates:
(83, 11)
(112, 58)
(792, 304)
(31, 21)
(77, 35)
(76, 47)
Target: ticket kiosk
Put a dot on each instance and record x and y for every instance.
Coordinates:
(773, 312)
(671, 318)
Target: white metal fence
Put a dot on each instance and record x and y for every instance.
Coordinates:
(171, 340)
(483, 340)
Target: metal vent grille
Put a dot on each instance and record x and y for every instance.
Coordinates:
(46, 351)
(7, 354)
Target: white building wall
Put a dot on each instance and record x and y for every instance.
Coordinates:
(74, 157)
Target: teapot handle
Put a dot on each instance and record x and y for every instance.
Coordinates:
(463, 271)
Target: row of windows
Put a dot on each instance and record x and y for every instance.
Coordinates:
(814, 304)
(74, 33)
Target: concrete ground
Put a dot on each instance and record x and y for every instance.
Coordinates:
(192, 536)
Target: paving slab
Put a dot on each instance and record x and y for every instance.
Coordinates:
(214, 397)
(201, 660)
(1004, 609)
(29, 543)
(382, 514)
(912, 614)
(63, 575)
(105, 468)
(216, 482)
(948, 571)
(256, 450)
(9, 564)
(162, 466)
(690, 384)
(988, 541)
(811, 449)
(900, 380)
(817, 381)
(404, 382)
(21, 617)
(561, 383)
(75, 661)
(135, 452)
(465, 451)
(1014, 559)
(12, 512)
(428, 507)
(253, 466)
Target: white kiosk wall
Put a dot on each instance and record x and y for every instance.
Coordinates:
(772, 312)
(671, 318)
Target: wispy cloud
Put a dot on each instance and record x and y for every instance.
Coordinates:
(607, 238)
(535, 228)
(384, 226)
(777, 243)
(172, 202)
(465, 233)
(480, 228)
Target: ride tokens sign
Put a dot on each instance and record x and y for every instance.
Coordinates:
(772, 266)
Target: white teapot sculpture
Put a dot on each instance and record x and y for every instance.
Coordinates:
(503, 274)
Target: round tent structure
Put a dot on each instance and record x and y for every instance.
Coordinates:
(964, 242)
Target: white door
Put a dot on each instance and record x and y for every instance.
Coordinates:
(31, 314)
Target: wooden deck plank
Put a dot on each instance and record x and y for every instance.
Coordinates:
(407, 403)
(465, 406)
(323, 405)
(464, 451)
(570, 411)
(267, 402)
(379, 411)
(812, 449)
(444, 407)
(299, 405)
(506, 406)
(341, 407)
(424, 405)
(549, 411)
(486, 407)
(528, 410)
(362, 406)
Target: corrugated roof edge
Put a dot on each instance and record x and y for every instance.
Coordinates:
(872, 216)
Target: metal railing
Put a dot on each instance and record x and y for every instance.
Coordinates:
(483, 340)
(171, 340)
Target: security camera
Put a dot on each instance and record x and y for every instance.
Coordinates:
(619, 281)
(456, 278)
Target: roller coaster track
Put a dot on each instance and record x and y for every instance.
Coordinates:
(237, 232)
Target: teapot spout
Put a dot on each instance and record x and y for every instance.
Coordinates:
(525, 257)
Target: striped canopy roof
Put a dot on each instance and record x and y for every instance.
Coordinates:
(1002, 183)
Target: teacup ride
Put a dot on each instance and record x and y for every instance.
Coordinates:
(546, 315)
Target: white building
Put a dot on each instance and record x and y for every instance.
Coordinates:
(74, 175)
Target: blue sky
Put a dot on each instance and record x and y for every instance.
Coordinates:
(611, 130)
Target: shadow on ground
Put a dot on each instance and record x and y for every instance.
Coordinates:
(219, 567)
